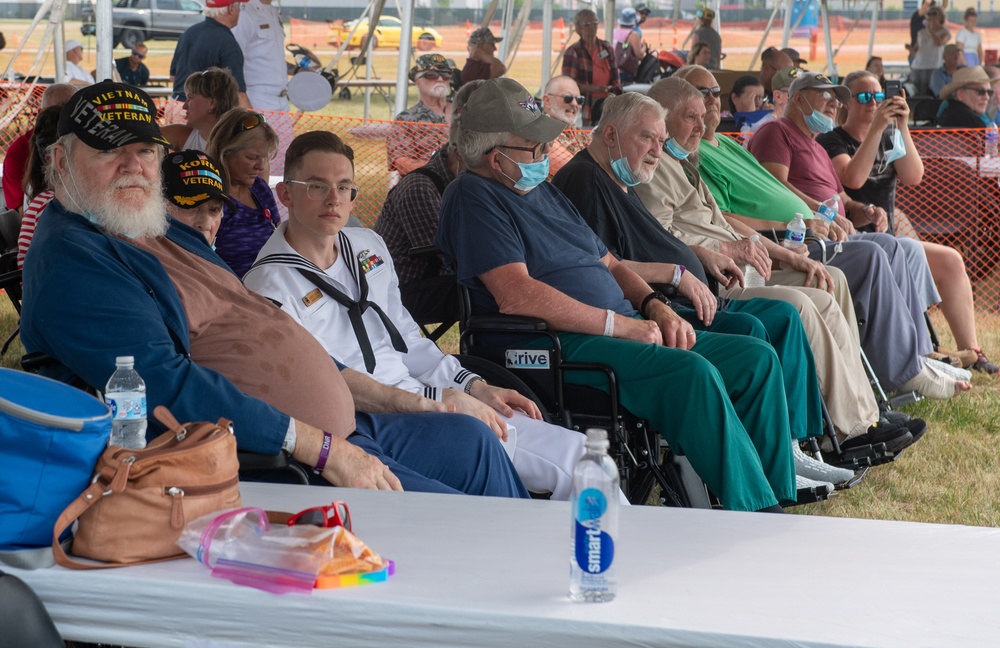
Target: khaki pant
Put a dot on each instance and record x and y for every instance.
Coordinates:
(828, 321)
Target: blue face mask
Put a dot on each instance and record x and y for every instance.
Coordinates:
(675, 149)
(622, 170)
(898, 149)
(532, 173)
(818, 122)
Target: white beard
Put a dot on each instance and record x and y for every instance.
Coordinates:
(120, 218)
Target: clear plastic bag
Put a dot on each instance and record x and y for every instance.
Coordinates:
(240, 545)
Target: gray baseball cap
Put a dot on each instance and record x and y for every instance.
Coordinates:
(503, 104)
(819, 82)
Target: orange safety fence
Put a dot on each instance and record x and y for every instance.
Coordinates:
(956, 204)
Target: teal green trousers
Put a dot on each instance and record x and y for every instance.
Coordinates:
(778, 323)
(722, 405)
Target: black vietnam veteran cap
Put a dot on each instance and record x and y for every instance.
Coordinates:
(191, 178)
(108, 115)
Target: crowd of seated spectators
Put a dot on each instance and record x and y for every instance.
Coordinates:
(633, 242)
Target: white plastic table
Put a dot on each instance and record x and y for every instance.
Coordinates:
(482, 572)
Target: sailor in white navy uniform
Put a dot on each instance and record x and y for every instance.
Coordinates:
(341, 285)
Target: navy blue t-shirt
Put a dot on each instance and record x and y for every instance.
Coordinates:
(200, 47)
(484, 225)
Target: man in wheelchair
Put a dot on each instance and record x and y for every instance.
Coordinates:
(522, 248)
(341, 284)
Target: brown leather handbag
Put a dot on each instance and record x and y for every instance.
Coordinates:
(134, 510)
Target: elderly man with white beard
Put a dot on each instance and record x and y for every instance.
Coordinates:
(109, 275)
(410, 145)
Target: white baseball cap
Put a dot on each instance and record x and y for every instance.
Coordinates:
(72, 44)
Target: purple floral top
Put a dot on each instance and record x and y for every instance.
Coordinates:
(244, 231)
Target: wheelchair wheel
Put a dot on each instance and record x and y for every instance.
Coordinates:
(494, 374)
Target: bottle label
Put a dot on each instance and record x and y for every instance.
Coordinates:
(129, 407)
(795, 236)
(595, 549)
(827, 212)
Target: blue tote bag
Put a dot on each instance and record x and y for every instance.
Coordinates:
(51, 435)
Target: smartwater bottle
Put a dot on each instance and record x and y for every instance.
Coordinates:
(795, 233)
(594, 532)
(752, 278)
(126, 396)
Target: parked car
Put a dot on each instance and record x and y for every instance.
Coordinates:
(387, 34)
(136, 21)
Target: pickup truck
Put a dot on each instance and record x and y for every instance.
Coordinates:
(136, 21)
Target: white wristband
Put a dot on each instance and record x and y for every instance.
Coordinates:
(609, 324)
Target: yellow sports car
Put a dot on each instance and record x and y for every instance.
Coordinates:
(386, 34)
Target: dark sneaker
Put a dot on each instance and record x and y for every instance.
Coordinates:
(895, 438)
(983, 363)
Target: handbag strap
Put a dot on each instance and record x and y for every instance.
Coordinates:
(77, 507)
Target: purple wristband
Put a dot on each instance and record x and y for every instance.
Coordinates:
(324, 453)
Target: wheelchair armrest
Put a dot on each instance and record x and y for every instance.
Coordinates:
(778, 236)
(497, 322)
(419, 251)
(251, 462)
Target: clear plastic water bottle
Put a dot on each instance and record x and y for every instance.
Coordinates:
(752, 278)
(795, 233)
(126, 396)
(992, 138)
(594, 532)
(829, 209)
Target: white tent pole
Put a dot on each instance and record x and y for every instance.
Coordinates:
(831, 66)
(56, 18)
(767, 32)
(105, 39)
(871, 31)
(546, 42)
(786, 29)
(609, 20)
(403, 62)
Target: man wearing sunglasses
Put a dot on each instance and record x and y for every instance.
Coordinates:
(411, 144)
(131, 68)
(967, 95)
(562, 100)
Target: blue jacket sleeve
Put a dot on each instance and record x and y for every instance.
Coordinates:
(84, 306)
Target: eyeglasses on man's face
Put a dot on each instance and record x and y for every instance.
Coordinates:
(316, 190)
(537, 151)
(714, 91)
(568, 98)
(432, 76)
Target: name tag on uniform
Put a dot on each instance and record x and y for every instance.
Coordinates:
(265, 26)
(369, 261)
(312, 297)
(603, 54)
